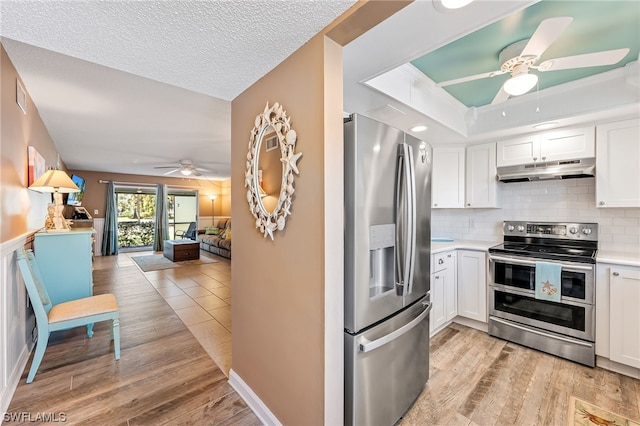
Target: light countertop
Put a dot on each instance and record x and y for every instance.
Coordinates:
(438, 247)
(619, 257)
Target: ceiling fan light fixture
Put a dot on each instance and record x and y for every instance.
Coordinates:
(418, 128)
(520, 84)
(185, 172)
(451, 4)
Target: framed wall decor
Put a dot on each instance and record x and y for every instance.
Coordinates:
(271, 143)
(36, 165)
(21, 97)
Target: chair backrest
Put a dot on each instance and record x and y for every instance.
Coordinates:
(36, 287)
(191, 231)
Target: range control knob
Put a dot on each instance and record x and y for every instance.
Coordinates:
(586, 231)
(510, 228)
(573, 230)
(520, 228)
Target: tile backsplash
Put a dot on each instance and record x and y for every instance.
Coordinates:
(571, 200)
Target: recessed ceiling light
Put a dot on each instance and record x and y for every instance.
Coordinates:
(545, 126)
(450, 4)
(420, 128)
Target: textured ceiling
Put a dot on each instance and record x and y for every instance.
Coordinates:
(123, 86)
(596, 26)
(217, 48)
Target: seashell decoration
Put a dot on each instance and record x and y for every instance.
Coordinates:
(276, 117)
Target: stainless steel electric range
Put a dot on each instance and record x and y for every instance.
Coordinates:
(565, 328)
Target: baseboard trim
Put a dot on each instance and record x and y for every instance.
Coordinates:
(253, 401)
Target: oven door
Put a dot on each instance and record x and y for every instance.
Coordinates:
(568, 318)
(517, 273)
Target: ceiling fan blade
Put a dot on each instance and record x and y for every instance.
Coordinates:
(170, 171)
(547, 32)
(469, 78)
(606, 57)
(501, 96)
(164, 167)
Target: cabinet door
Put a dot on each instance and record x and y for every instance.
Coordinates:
(617, 159)
(568, 144)
(438, 316)
(450, 289)
(447, 181)
(481, 184)
(472, 285)
(523, 150)
(624, 292)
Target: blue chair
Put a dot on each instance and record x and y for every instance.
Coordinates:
(190, 233)
(74, 313)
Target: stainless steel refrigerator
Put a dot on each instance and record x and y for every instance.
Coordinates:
(387, 261)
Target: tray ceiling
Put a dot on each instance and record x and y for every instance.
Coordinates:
(596, 26)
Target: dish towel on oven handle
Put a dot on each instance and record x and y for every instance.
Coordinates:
(548, 281)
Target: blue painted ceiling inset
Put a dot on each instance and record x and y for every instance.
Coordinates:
(597, 26)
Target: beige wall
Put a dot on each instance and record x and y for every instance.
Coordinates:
(288, 306)
(21, 210)
(278, 302)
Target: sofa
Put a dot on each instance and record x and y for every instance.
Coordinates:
(216, 239)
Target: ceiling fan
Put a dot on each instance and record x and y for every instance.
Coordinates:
(185, 167)
(520, 57)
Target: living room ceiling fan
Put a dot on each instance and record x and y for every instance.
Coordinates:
(185, 167)
(520, 57)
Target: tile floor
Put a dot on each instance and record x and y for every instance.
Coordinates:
(199, 294)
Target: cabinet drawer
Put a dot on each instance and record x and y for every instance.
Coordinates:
(441, 261)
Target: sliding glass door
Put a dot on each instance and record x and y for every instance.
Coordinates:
(183, 210)
(136, 214)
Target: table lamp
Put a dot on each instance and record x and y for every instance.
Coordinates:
(58, 183)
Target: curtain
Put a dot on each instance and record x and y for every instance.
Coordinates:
(110, 232)
(161, 228)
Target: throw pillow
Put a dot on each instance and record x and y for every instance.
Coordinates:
(211, 230)
(222, 235)
(228, 235)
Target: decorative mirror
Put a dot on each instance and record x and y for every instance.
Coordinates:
(269, 175)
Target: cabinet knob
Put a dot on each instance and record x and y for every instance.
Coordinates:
(435, 204)
(440, 261)
(616, 274)
(544, 158)
(468, 204)
(535, 158)
(449, 255)
(601, 203)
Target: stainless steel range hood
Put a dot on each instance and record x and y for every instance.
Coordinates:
(566, 169)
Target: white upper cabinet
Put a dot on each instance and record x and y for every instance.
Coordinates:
(447, 177)
(564, 144)
(482, 188)
(617, 164)
(522, 150)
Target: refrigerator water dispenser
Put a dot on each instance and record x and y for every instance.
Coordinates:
(382, 243)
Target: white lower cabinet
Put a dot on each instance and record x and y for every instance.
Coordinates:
(617, 313)
(624, 325)
(472, 285)
(443, 290)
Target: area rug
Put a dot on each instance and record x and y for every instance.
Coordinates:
(156, 262)
(585, 414)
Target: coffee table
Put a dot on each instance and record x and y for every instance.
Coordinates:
(177, 250)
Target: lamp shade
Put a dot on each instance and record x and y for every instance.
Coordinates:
(54, 181)
(213, 197)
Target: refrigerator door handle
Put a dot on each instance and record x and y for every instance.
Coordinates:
(366, 345)
(406, 209)
(410, 253)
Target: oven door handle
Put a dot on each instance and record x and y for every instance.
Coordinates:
(540, 333)
(533, 263)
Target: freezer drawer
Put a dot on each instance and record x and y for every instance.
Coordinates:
(387, 366)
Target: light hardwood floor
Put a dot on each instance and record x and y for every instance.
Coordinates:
(172, 329)
(164, 376)
(476, 379)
